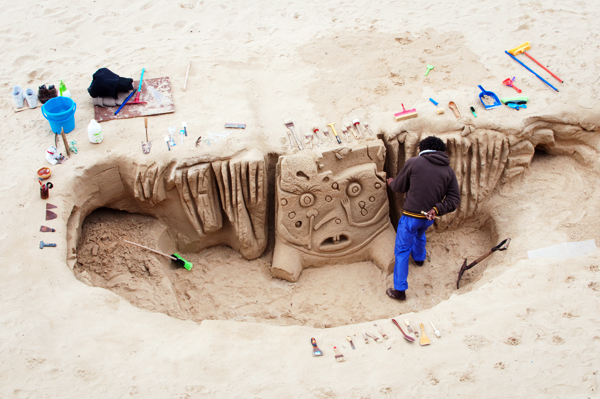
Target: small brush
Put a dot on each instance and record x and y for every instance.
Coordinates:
(167, 140)
(410, 329)
(435, 330)
(406, 114)
(338, 356)
(350, 340)
(308, 136)
(365, 337)
(184, 125)
(346, 134)
(353, 131)
(383, 335)
(373, 336)
(317, 135)
(356, 124)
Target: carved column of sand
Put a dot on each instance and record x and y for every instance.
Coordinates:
(200, 198)
(243, 189)
(478, 161)
(236, 187)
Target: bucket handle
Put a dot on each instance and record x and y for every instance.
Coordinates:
(46, 116)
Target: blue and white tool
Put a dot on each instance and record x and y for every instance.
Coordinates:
(486, 96)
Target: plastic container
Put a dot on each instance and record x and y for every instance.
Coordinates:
(95, 132)
(64, 92)
(60, 112)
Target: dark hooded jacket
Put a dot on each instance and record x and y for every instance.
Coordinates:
(429, 182)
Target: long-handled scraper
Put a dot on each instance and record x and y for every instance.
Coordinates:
(175, 257)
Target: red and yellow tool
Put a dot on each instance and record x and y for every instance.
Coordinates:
(526, 46)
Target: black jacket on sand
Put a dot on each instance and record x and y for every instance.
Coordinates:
(429, 182)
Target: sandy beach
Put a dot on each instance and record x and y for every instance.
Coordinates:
(95, 317)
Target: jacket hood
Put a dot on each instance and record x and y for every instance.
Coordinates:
(437, 158)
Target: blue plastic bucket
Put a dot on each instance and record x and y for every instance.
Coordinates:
(60, 112)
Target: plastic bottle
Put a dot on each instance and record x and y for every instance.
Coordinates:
(95, 132)
(63, 90)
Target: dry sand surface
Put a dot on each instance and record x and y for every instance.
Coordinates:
(127, 323)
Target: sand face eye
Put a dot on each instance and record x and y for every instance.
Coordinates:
(353, 189)
(377, 185)
(307, 199)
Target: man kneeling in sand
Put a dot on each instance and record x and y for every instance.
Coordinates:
(430, 184)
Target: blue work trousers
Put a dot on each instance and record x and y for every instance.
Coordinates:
(410, 241)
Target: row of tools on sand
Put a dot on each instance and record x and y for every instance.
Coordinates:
(318, 137)
(423, 340)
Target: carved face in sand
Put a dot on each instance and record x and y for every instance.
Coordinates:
(331, 213)
(332, 208)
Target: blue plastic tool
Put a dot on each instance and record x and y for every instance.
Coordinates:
(530, 70)
(125, 102)
(433, 101)
(489, 94)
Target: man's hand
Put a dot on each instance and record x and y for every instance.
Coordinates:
(389, 181)
(431, 214)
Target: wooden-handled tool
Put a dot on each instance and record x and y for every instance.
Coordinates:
(435, 330)
(424, 339)
(406, 337)
(64, 137)
(174, 257)
(338, 356)
(372, 336)
(350, 340)
(503, 246)
(331, 125)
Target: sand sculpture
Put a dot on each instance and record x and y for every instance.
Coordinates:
(484, 158)
(204, 203)
(332, 208)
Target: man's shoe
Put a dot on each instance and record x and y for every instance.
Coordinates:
(395, 294)
(419, 262)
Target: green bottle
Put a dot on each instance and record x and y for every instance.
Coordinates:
(64, 92)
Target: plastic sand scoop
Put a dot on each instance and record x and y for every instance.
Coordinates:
(489, 99)
(175, 257)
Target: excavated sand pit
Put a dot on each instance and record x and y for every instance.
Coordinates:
(244, 249)
(223, 285)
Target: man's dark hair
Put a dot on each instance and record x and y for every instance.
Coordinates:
(432, 143)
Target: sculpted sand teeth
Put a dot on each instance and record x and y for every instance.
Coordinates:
(332, 209)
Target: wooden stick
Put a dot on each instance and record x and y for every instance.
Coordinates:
(150, 249)
(64, 136)
(186, 75)
(146, 123)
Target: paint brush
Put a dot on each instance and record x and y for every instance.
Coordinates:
(350, 340)
(338, 356)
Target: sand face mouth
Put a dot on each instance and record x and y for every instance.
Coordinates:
(335, 243)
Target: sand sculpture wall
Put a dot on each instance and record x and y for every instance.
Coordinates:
(221, 202)
(331, 207)
(484, 158)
